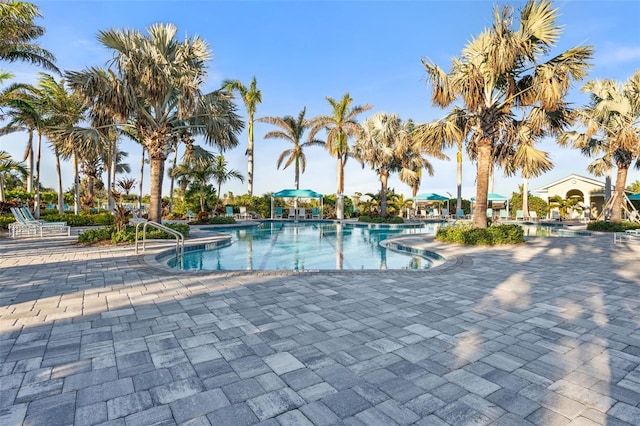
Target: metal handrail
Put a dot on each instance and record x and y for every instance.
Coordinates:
(179, 237)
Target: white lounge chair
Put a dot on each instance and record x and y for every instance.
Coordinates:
(243, 213)
(292, 213)
(519, 215)
(302, 213)
(25, 226)
(533, 216)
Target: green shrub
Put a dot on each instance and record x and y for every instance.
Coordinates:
(612, 227)
(6, 220)
(128, 234)
(381, 219)
(493, 235)
(221, 220)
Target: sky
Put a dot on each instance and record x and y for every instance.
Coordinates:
(302, 52)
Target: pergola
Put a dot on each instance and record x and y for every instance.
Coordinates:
(296, 193)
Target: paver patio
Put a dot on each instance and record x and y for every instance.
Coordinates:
(544, 333)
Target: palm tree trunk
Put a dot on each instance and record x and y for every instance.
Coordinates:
(30, 162)
(60, 193)
(157, 173)
(175, 163)
(339, 200)
(112, 173)
(482, 186)
(458, 178)
(250, 158)
(36, 202)
(141, 177)
(525, 196)
(297, 175)
(76, 184)
(2, 199)
(618, 200)
(384, 176)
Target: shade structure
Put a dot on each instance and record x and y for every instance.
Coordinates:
(430, 197)
(296, 193)
(634, 197)
(493, 197)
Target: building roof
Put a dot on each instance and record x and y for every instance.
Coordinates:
(573, 176)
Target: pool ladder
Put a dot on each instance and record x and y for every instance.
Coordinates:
(178, 236)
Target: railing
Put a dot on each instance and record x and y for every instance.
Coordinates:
(178, 236)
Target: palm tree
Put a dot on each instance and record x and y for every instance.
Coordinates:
(221, 174)
(452, 130)
(500, 72)
(153, 85)
(413, 162)
(251, 97)
(18, 33)
(126, 184)
(64, 109)
(292, 131)
(8, 165)
(382, 144)
(340, 126)
(612, 121)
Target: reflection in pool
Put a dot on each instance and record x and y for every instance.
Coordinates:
(310, 246)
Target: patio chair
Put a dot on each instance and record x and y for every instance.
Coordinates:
(243, 213)
(24, 226)
(533, 216)
(278, 214)
(445, 214)
(519, 215)
(555, 215)
(460, 214)
(292, 213)
(423, 213)
(503, 214)
(229, 210)
(302, 213)
(26, 213)
(315, 213)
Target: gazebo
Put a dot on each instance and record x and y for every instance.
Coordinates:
(493, 197)
(296, 193)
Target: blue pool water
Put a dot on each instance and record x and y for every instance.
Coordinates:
(309, 246)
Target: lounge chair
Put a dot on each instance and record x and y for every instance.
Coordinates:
(278, 214)
(302, 213)
(229, 210)
(292, 213)
(243, 213)
(503, 214)
(519, 215)
(315, 213)
(555, 215)
(445, 214)
(423, 214)
(25, 226)
(190, 215)
(533, 216)
(460, 214)
(490, 213)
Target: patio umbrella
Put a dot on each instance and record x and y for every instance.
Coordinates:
(634, 197)
(430, 197)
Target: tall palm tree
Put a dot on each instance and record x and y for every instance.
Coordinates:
(153, 84)
(340, 126)
(502, 71)
(293, 130)
(251, 97)
(7, 165)
(452, 130)
(18, 33)
(612, 121)
(221, 174)
(64, 110)
(382, 144)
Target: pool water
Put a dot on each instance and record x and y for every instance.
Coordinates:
(309, 246)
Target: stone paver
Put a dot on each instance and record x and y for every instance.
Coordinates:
(544, 333)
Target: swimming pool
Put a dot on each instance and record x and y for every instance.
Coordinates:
(309, 246)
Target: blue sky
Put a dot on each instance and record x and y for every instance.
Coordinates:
(303, 51)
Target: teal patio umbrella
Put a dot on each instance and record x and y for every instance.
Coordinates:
(430, 197)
